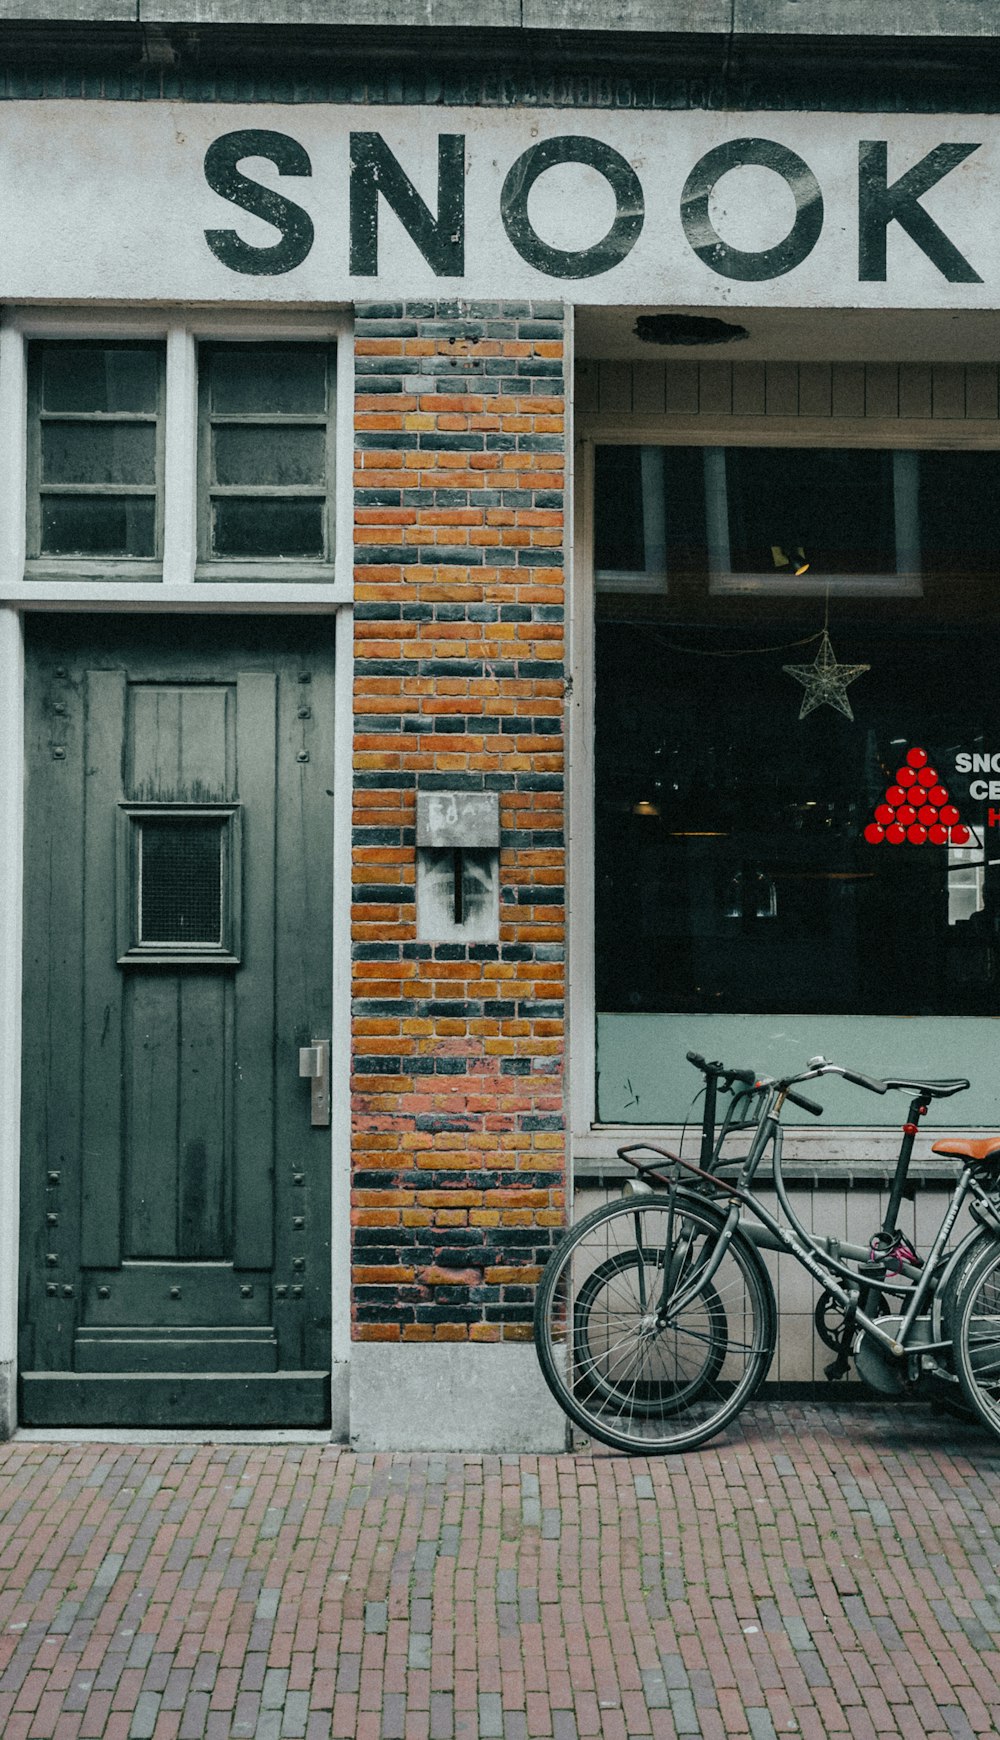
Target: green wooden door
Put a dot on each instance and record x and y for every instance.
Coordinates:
(175, 1194)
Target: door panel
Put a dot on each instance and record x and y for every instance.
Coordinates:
(176, 1198)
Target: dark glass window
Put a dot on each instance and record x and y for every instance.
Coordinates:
(267, 452)
(95, 449)
(833, 510)
(733, 873)
(180, 888)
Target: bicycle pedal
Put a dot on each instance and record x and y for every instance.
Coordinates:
(837, 1369)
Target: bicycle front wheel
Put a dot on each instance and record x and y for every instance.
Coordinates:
(972, 1316)
(645, 1342)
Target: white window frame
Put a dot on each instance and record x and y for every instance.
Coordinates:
(180, 580)
(906, 582)
(594, 1144)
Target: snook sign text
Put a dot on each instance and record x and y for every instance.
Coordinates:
(310, 203)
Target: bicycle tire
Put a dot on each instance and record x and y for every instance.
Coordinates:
(972, 1318)
(633, 1383)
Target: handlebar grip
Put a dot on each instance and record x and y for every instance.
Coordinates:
(865, 1081)
(807, 1105)
(720, 1069)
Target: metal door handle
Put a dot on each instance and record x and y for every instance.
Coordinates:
(314, 1062)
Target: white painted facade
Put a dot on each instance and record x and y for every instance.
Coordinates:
(120, 193)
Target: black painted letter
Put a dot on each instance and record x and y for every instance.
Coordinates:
(741, 263)
(573, 262)
(374, 171)
(223, 176)
(879, 204)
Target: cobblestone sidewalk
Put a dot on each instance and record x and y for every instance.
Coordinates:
(820, 1572)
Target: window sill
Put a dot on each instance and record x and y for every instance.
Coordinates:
(830, 1158)
(297, 573)
(810, 585)
(72, 570)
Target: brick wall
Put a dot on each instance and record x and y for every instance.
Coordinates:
(459, 684)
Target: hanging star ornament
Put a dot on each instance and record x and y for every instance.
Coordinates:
(825, 681)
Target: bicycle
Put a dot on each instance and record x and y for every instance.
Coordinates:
(656, 1320)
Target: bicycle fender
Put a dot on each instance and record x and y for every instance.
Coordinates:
(954, 1263)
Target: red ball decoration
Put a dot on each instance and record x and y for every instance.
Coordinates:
(874, 834)
(937, 835)
(960, 836)
(949, 815)
(917, 757)
(884, 814)
(938, 794)
(905, 776)
(895, 796)
(895, 835)
(927, 776)
(906, 814)
(927, 814)
(916, 835)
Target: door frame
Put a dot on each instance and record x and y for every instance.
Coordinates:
(15, 1046)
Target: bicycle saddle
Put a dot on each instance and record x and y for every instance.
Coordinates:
(931, 1090)
(968, 1148)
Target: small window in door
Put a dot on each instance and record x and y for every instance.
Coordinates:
(95, 453)
(179, 884)
(266, 464)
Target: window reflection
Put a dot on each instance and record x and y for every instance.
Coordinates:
(732, 873)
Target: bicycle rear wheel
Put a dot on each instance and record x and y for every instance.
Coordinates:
(972, 1316)
(638, 1350)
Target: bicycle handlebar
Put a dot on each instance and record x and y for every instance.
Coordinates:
(818, 1067)
(721, 1070)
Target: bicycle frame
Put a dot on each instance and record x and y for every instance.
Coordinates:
(821, 1257)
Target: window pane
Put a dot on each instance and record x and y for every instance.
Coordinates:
(269, 455)
(623, 540)
(181, 886)
(960, 513)
(833, 509)
(618, 531)
(91, 378)
(99, 453)
(733, 870)
(249, 378)
(274, 527)
(80, 525)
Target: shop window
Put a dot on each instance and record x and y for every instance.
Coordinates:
(266, 454)
(733, 871)
(95, 451)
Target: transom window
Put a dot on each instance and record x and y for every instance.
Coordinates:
(96, 450)
(118, 486)
(779, 520)
(267, 451)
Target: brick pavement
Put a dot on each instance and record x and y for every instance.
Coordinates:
(820, 1571)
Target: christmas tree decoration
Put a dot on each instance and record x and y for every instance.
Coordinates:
(936, 822)
(825, 681)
